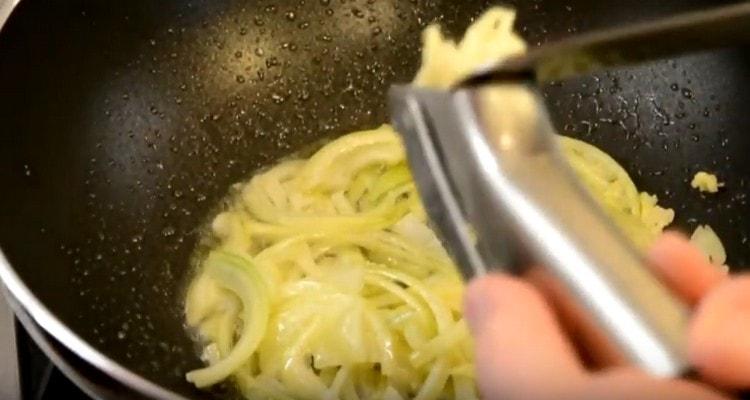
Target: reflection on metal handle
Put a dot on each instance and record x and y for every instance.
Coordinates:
(501, 196)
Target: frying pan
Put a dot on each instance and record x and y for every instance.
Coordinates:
(123, 123)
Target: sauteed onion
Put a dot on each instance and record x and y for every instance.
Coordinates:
(326, 281)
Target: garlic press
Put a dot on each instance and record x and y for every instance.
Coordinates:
(486, 162)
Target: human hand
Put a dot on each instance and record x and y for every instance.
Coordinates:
(523, 353)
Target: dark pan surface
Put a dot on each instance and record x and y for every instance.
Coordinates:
(122, 124)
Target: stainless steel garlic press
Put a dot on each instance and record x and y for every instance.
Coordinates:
(486, 162)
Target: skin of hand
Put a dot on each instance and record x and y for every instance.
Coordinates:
(523, 353)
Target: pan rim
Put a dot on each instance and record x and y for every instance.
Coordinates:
(42, 316)
(6, 8)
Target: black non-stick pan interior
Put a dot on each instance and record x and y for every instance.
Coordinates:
(123, 123)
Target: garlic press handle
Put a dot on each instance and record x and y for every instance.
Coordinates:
(487, 165)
